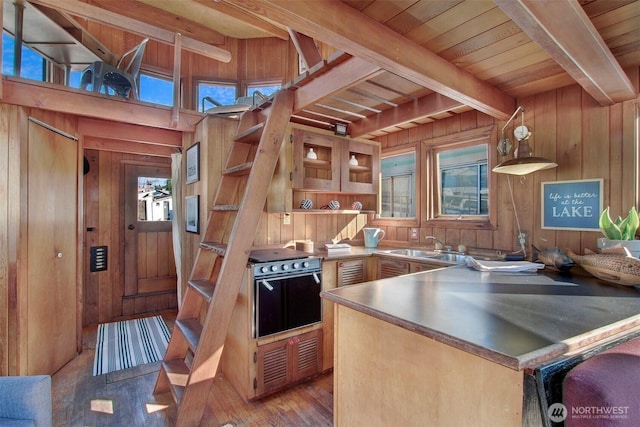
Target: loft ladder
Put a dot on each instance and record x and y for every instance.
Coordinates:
(193, 354)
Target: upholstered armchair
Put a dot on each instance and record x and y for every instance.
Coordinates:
(26, 401)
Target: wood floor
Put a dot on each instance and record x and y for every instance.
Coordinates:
(125, 398)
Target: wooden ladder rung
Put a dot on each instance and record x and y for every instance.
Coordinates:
(218, 248)
(191, 330)
(251, 135)
(239, 170)
(225, 207)
(203, 287)
(177, 373)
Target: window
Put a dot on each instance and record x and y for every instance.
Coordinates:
(32, 66)
(156, 89)
(154, 199)
(265, 89)
(224, 93)
(462, 176)
(458, 179)
(398, 186)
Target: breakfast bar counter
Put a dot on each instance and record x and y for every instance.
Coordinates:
(415, 347)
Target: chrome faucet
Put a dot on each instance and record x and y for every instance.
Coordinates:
(439, 245)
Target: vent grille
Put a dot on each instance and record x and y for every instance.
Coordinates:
(350, 272)
(308, 354)
(392, 269)
(275, 365)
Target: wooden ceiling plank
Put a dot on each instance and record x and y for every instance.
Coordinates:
(246, 17)
(105, 17)
(426, 106)
(341, 77)
(158, 17)
(381, 46)
(564, 30)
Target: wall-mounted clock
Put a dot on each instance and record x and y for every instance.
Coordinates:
(521, 132)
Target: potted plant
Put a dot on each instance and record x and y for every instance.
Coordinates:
(621, 232)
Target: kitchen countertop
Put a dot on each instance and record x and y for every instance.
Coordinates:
(520, 320)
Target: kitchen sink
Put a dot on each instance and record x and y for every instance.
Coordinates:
(456, 258)
(412, 252)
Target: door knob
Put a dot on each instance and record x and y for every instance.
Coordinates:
(131, 227)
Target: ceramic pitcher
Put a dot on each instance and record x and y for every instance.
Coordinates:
(372, 236)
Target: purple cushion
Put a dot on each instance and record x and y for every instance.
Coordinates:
(604, 390)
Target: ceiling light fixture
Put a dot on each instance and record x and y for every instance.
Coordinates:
(524, 162)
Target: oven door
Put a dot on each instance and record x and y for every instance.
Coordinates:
(285, 303)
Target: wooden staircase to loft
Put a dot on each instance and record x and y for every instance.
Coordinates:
(193, 354)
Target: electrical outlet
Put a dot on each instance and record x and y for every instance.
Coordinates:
(522, 238)
(414, 234)
(286, 220)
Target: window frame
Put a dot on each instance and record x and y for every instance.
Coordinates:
(430, 178)
(249, 83)
(415, 221)
(156, 75)
(219, 82)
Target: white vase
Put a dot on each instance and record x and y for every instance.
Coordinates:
(632, 245)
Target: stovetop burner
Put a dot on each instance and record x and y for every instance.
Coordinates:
(276, 254)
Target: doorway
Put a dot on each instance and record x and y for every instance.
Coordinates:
(149, 266)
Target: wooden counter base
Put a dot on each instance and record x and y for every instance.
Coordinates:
(387, 375)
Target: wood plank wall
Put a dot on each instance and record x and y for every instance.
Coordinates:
(586, 140)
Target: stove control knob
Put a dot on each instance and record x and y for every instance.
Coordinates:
(285, 267)
(274, 268)
(264, 269)
(295, 265)
(305, 264)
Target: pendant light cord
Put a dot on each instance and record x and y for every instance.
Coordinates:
(515, 212)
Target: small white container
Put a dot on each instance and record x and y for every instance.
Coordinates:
(312, 154)
(353, 161)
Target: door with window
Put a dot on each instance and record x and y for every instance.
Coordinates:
(148, 256)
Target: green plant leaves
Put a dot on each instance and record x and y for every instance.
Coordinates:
(621, 229)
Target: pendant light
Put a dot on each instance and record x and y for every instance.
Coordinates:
(524, 162)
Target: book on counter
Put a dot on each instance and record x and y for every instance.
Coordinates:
(337, 248)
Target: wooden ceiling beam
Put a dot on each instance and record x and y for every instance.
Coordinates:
(129, 132)
(340, 77)
(566, 33)
(120, 146)
(158, 17)
(426, 106)
(115, 20)
(345, 28)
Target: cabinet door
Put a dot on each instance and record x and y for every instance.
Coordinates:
(321, 173)
(307, 354)
(391, 268)
(415, 267)
(274, 367)
(363, 177)
(351, 272)
(50, 306)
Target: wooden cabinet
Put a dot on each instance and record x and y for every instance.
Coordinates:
(391, 268)
(415, 267)
(351, 272)
(256, 367)
(315, 165)
(287, 361)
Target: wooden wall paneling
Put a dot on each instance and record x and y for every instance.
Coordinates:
(631, 151)
(6, 254)
(90, 283)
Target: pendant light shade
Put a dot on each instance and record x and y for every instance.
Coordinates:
(524, 162)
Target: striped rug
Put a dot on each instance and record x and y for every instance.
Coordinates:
(129, 343)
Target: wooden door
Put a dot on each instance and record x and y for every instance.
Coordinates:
(148, 256)
(51, 251)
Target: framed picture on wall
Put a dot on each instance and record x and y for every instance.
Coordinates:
(192, 214)
(193, 163)
(572, 205)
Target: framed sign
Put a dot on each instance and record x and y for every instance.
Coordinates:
(193, 163)
(192, 214)
(572, 205)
